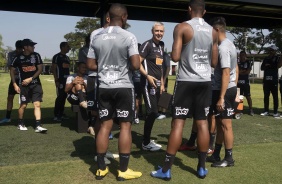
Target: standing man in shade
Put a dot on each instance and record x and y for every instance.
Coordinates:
(245, 67)
(151, 58)
(115, 54)
(195, 48)
(61, 70)
(223, 95)
(29, 65)
(270, 66)
(11, 90)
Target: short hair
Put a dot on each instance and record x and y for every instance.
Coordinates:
(18, 44)
(219, 23)
(243, 52)
(79, 63)
(117, 10)
(63, 44)
(197, 5)
(157, 24)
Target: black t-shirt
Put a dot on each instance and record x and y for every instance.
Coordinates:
(269, 66)
(247, 65)
(153, 59)
(27, 66)
(63, 66)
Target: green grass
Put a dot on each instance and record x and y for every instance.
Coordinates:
(65, 156)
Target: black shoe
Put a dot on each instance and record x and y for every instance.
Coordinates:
(212, 159)
(223, 163)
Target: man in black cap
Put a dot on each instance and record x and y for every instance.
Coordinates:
(270, 66)
(11, 91)
(29, 65)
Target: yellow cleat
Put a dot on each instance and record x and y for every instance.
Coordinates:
(128, 174)
(100, 174)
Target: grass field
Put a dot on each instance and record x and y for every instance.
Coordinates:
(65, 156)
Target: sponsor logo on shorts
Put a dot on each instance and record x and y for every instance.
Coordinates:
(207, 110)
(103, 113)
(23, 99)
(230, 111)
(90, 103)
(74, 97)
(122, 114)
(179, 111)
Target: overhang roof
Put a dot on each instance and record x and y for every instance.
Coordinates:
(238, 13)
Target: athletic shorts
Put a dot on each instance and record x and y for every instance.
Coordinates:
(229, 104)
(151, 98)
(73, 98)
(92, 92)
(31, 93)
(11, 90)
(138, 90)
(191, 98)
(119, 102)
(244, 89)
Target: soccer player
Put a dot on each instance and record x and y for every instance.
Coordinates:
(60, 67)
(29, 65)
(115, 54)
(11, 90)
(223, 95)
(195, 48)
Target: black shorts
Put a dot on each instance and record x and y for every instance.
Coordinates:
(119, 102)
(191, 98)
(138, 90)
(151, 99)
(73, 98)
(245, 89)
(32, 92)
(11, 90)
(92, 93)
(229, 104)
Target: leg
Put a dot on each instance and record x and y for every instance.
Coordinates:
(274, 91)
(37, 110)
(266, 92)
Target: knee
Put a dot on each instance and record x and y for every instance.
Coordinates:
(36, 105)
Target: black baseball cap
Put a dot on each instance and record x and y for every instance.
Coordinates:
(28, 42)
(19, 44)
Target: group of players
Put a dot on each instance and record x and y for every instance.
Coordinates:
(112, 56)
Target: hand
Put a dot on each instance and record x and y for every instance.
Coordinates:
(26, 81)
(17, 88)
(162, 89)
(152, 80)
(220, 105)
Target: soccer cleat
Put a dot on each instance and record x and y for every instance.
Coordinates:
(276, 115)
(210, 151)
(5, 120)
(212, 159)
(107, 161)
(22, 127)
(161, 116)
(57, 118)
(100, 174)
(128, 175)
(136, 121)
(264, 114)
(83, 104)
(223, 163)
(160, 174)
(40, 129)
(251, 113)
(152, 146)
(111, 136)
(201, 172)
(111, 155)
(91, 130)
(185, 147)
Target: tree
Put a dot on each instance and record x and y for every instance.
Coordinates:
(255, 40)
(2, 54)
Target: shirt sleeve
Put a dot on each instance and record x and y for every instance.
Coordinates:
(69, 79)
(14, 63)
(54, 60)
(133, 46)
(224, 57)
(143, 50)
(39, 60)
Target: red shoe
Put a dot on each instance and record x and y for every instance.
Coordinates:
(210, 151)
(185, 147)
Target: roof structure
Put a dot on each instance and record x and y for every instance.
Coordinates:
(238, 13)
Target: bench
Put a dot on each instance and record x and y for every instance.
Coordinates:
(81, 118)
